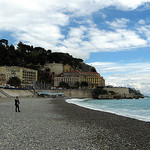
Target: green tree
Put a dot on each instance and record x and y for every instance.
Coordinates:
(64, 85)
(14, 81)
(77, 85)
(84, 84)
(98, 91)
(44, 76)
(4, 42)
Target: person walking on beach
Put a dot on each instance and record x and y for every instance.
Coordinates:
(17, 102)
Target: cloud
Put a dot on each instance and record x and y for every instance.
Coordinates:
(91, 39)
(118, 23)
(116, 40)
(42, 23)
(130, 5)
(145, 31)
(141, 21)
(135, 75)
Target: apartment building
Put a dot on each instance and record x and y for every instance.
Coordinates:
(92, 78)
(58, 68)
(2, 79)
(71, 78)
(26, 75)
(55, 68)
(68, 68)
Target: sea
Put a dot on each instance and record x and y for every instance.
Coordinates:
(133, 108)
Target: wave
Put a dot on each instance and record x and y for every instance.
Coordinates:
(137, 109)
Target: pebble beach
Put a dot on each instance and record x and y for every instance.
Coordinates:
(53, 124)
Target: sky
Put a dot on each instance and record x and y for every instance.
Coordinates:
(111, 35)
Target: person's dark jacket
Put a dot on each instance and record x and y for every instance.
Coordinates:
(17, 102)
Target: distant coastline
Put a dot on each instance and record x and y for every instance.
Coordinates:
(112, 93)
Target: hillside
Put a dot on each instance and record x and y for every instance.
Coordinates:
(35, 57)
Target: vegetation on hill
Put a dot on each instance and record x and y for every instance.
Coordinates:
(33, 57)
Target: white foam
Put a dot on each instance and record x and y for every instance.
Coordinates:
(74, 100)
(127, 111)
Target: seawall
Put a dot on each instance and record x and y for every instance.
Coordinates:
(87, 93)
(72, 93)
(15, 92)
(75, 93)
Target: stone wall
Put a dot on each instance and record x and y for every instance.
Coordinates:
(122, 91)
(119, 90)
(2, 95)
(75, 93)
(87, 93)
(15, 92)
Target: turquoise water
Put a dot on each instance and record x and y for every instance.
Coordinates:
(133, 108)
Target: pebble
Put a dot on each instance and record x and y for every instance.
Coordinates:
(38, 127)
(49, 124)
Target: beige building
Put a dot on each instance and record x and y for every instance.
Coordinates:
(66, 73)
(92, 78)
(26, 75)
(55, 68)
(71, 78)
(58, 68)
(71, 81)
(68, 68)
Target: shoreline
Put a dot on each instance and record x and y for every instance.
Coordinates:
(52, 123)
(120, 113)
(117, 132)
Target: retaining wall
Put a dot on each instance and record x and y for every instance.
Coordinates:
(74, 93)
(87, 93)
(15, 92)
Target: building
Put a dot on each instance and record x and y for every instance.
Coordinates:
(58, 68)
(71, 78)
(26, 75)
(68, 68)
(66, 73)
(2, 79)
(55, 68)
(92, 78)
